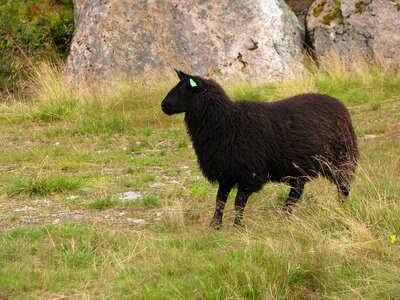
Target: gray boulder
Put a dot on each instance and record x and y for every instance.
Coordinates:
(352, 28)
(258, 38)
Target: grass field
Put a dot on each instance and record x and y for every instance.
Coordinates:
(69, 152)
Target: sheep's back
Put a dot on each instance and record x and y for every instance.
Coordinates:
(294, 137)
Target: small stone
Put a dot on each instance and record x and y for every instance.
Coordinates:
(121, 214)
(30, 220)
(42, 202)
(155, 185)
(159, 214)
(136, 221)
(370, 136)
(25, 208)
(130, 196)
(56, 221)
(108, 170)
(78, 217)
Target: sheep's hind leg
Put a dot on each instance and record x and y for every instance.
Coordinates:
(222, 196)
(343, 192)
(343, 187)
(342, 182)
(240, 204)
(296, 189)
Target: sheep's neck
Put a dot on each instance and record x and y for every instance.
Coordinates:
(208, 121)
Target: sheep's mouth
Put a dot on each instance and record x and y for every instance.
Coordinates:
(169, 113)
(167, 109)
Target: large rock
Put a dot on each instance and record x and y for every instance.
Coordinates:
(354, 28)
(80, 6)
(257, 38)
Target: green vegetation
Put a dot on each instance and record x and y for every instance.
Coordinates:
(104, 140)
(150, 202)
(318, 10)
(334, 15)
(43, 185)
(360, 7)
(31, 31)
(103, 203)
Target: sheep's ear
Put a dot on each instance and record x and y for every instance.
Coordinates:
(180, 74)
(193, 82)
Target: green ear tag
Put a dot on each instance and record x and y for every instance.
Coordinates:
(192, 83)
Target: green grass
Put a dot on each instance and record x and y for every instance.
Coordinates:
(200, 188)
(54, 111)
(103, 203)
(43, 185)
(150, 202)
(113, 140)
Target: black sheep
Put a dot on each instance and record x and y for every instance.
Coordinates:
(248, 143)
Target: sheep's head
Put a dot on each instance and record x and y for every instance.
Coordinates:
(181, 97)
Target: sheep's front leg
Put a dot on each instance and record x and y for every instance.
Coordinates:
(240, 204)
(222, 195)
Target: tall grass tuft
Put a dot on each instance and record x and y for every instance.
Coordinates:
(103, 203)
(55, 98)
(43, 185)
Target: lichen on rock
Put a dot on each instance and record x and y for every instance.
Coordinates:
(334, 15)
(354, 29)
(360, 7)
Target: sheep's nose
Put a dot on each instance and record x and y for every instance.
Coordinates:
(164, 104)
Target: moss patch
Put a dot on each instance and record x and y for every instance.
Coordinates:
(335, 14)
(318, 10)
(360, 7)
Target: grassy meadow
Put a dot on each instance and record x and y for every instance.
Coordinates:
(69, 151)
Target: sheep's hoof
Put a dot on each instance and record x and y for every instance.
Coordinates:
(287, 210)
(216, 224)
(238, 225)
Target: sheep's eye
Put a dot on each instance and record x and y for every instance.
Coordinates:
(181, 87)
